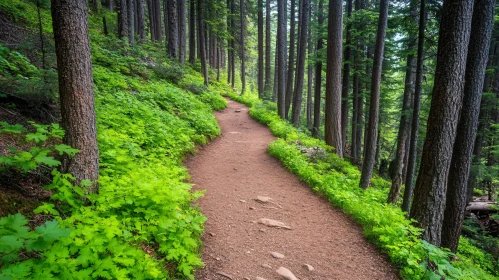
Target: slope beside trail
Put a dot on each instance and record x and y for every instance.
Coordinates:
(234, 169)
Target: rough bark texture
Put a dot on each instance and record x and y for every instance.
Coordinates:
(131, 22)
(260, 49)
(268, 46)
(182, 14)
(413, 142)
(76, 88)
(481, 32)
(318, 73)
(431, 185)
(157, 20)
(173, 28)
(403, 133)
(309, 72)
(281, 58)
(291, 58)
(300, 63)
(201, 42)
(123, 19)
(372, 127)
(150, 13)
(141, 24)
(332, 125)
(192, 31)
(243, 58)
(346, 77)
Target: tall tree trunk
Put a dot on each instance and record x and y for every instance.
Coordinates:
(131, 22)
(152, 21)
(403, 133)
(182, 14)
(309, 72)
(333, 77)
(276, 68)
(201, 42)
(260, 49)
(413, 142)
(300, 60)
(173, 29)
(318, 72)
(192, 31)
(281, 58)
(123, 20)
(481, 32)
(243, 58)
(157, 18)
(372, 128)
(76, 88)
(346, 77)
(141, 20)
(267, 47)
(291, 58)
(111, 6)
(431, 185)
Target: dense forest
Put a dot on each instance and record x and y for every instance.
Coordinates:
(388, 109)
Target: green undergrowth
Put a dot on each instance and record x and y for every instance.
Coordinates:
(143, 223)
(383, 224)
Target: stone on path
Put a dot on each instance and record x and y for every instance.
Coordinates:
(273, 223)
(286, 273)
(277, 255)
(309, 267)
(265, 265)
(260, 278)
(263, 199)
(225, 275)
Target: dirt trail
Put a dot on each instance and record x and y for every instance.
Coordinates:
(235, 168)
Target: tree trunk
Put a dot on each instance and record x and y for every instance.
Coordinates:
(131, 22)
(111, 6)
(318, 73)
(192, 32)
(281, 58)
(309, 72)
(431, 185)
(76, 88)
(173, 29)
(403, 133)
(157, 18)
(300, 62)
(243, 58)
(182, 14)
(260, 49)
(372, 127)
(267, 48)
(333, 77)
(152, 21)
(123, 20)
(481, 32)
(141, 20)
(413, 142)
(201, 42)
(346, 78)
(291, 58)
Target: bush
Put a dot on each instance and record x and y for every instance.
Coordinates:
(172, 73)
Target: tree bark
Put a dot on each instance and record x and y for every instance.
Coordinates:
(141, 20)
(431, 185)
(131, 22)
(481, 32)
(300, 62)
(76, 88)
(413, 142)
(182, 14)
(157, 18)
(123, 19)
(309, 72)
(281, 58)
(201, 42)
(243, 58)
(318, 73)
(192, 31)
(150, 10)
(268, 46)
(173, 29)
(372, 127)
(291, 58)
(260, 49)
(346, 77)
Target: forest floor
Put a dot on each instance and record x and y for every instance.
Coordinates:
(235, 169)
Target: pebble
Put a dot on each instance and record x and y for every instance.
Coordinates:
(212, 234)
(286, 273)
(252, 208)
(225, 275)
(266, 265)
(263, 199)
(273, 223)
(309, 267)
(277, 255)
(260, 278)
(242, 200)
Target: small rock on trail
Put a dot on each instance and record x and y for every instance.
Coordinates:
(273, 223)
(263, 199)
(225, 275)
(309, 267)
(286, 273)
(277, 255)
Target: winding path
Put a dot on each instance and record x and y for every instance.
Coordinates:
(234, 169)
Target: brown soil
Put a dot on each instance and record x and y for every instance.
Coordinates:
(235, 167)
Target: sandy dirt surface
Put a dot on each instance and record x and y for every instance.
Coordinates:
(234, 169)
